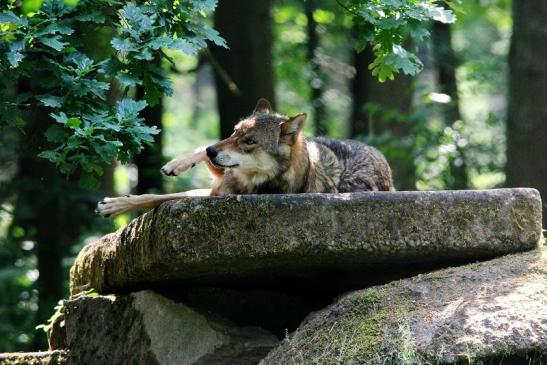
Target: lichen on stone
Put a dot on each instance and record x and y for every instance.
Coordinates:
(475, 314)
(237, 240)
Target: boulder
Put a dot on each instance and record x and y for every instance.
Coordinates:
(147, 328)
(479, 313)
(311, 242)
(56, 357)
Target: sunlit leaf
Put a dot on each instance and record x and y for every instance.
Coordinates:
(129, 109)
(73, 122)
(10, 17)
(54, 42)
(15, 55)
(215, 37)
(124, 45)
(50, 100)
(31, 6)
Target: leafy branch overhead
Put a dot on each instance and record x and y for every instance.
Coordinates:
(44, 53)
(388, 25)
(41, 48)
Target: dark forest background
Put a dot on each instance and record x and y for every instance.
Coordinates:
(475, 117)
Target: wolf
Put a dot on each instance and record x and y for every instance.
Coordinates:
(268, 154)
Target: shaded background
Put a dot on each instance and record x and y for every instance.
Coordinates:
(475, 117)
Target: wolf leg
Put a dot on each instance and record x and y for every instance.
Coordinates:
(184, 162)
(113, 206)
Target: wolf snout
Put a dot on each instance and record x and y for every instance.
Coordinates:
(211, 152)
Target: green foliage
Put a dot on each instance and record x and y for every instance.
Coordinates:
(289, 31)
(58, 316)
(481, 38)
(18, 300)
(19, 288)
(432, 147)
(56, 319)
(293, 76)
(387, 24)
(41, 47)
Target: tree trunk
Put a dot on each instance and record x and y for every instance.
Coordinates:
(445, 65)
(316, 79)
(150, 160)
(393, 95)
(360, 123)
(52, 209)
(248, 62)
(203, 78)
(114, 94)
(527, 110)
(39, 212)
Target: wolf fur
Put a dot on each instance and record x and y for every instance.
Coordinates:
(267, 154)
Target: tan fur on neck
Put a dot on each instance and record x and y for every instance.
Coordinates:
(294, 178)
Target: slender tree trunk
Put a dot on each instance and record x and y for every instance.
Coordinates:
(52, 244)
(114, 94)
(393, 95)
(360, 123)
(150, 160)
(38, 211)
(248, 62)
(52, 210)
(203, 75)
(317, 79)
(527, 110)
(445, 65)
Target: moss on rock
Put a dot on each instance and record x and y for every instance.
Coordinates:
(476, 314)
(35, 358)
(307, 241)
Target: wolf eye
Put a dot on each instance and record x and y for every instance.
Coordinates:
(249, 142)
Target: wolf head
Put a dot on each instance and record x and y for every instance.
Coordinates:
(260, 144)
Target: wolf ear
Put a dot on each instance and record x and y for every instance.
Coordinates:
(294, 125)
(263, 106)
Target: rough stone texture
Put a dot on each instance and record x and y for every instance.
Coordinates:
(147, 328)
(311, 241)
(479, 312)
(35, 358)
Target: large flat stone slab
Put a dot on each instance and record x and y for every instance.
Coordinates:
(147, 328)
(307, 241)
(493, 312)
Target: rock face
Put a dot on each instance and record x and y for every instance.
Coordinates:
(479, 312)
(147, 328)
(314, 242)
(35, 358)
(247, 268)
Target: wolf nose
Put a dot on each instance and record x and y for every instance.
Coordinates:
(211, 152)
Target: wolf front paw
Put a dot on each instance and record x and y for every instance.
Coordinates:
(168, 170)
(175, 167)
(109, 207)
